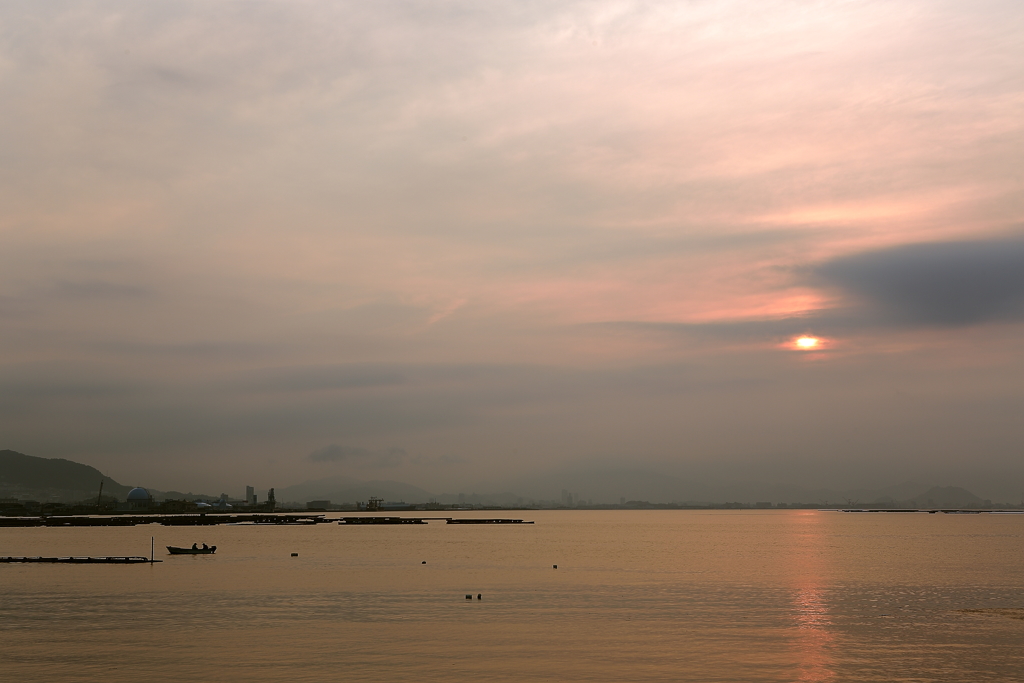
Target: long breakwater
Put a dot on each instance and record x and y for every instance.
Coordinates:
(213, 519)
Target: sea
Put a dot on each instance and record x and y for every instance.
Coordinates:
(645, 595)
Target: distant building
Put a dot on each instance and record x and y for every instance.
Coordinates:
(139, 499)
(250, 495)
(178, 506)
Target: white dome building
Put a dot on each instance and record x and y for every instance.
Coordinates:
(139, 499)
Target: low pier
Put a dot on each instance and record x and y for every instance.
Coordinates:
(200, 519)
(130, 559)
(213, 519)
(423, 520)
(500, 520)
(381, 520)
(931, 511)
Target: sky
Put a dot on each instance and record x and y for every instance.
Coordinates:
(455, 243)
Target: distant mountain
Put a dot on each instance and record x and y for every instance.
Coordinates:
(349, 490)
(58, 480)
(602, 485)
(505, 499)
(52, 479)
(949, 497)
(611, 485)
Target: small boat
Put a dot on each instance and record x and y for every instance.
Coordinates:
(175, 550)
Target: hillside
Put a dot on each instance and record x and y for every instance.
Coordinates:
(45, 479)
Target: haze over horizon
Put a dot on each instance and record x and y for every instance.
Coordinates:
(453, 244)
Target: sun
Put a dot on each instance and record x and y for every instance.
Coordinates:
(807, 342)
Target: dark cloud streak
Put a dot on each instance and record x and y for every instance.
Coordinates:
(926, 285)
(946, 284)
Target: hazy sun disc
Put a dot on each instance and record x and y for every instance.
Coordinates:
(807, 342)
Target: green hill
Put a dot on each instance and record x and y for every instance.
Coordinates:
(28, 477)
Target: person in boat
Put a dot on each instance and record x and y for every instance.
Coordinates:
(206, 547)
(195, 547)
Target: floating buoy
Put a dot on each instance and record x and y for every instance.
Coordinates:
(295, 554)
(479, 596)
(554, 566)
(423, 562)
(469, 597)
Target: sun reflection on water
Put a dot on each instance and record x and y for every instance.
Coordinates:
(814, 637)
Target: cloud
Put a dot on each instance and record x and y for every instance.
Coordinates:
(363, 457)
(924, 285)
(949, 284)
(99, 289)
(227, 230)
(321, 378)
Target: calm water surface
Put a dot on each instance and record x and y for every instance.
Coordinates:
(638, 595)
